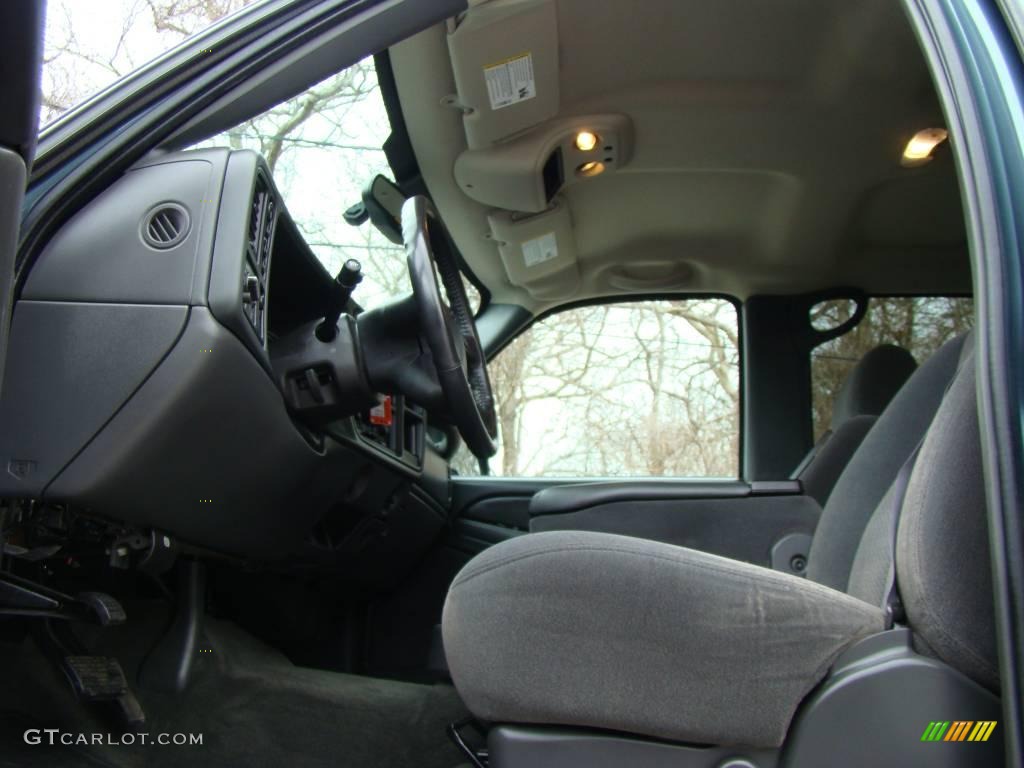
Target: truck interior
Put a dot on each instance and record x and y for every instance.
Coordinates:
(625, 413)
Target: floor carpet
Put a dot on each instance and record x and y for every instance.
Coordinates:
(252, 706)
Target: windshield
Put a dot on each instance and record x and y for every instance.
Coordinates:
(323, 147)
(87, 50)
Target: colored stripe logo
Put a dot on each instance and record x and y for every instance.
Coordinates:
(959, 730)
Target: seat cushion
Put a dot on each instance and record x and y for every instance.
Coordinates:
(605, 631)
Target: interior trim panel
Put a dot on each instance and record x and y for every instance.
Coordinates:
(142, 388)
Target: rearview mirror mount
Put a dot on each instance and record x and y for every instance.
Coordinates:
(383, 201)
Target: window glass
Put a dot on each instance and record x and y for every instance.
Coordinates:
(919, 324)
(323, 147)
(638, 389)
(90, 45)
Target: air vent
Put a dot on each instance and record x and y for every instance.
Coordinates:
(260, 242)
(262, 218)
(259, 200)
(165, 226)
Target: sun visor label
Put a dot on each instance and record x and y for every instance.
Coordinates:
(540, 249)
(510, 81)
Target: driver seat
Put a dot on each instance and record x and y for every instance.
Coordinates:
(721, 657)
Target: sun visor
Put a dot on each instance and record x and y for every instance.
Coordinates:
(539, 251)
(505, 60)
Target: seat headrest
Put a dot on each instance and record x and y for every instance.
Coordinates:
(872, 383)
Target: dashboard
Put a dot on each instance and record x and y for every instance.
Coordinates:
(141, 383)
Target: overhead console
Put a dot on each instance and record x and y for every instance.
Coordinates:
(525, 173)
(521, 154)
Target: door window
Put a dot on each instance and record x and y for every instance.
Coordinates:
(634, 389)
(919, 324)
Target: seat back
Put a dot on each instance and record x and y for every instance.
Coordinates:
(940, 554)
(874, 466)
(942, 561)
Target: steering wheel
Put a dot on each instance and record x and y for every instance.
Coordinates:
(448, 327)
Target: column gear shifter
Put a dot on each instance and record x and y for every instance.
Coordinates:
(345, 283)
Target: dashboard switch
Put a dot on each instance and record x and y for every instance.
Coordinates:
(313, 384)
(251, 289)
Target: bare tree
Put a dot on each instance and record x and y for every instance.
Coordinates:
(74, 67)
(174, 20)
(918, 324)
(186, 17)
(621, 389)
(282, 127)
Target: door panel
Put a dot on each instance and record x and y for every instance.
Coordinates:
(502, 501)
(766, 523)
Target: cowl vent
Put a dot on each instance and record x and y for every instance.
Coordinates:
(165, 226)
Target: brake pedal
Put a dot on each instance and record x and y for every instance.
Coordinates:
(95, 678)
(101, 680)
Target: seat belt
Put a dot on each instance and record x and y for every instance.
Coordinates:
(894, 612)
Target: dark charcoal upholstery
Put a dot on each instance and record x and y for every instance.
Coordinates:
(604, 631)
(942, 551)
(873, 383)
(865, 393)
(874, 467)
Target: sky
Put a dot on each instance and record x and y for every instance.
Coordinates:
(113, 36)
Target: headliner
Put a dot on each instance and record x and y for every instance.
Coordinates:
(765, 151)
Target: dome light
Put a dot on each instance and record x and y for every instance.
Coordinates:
(920, 147)
(586, 141)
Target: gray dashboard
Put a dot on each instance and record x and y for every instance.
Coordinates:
(140, 387)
